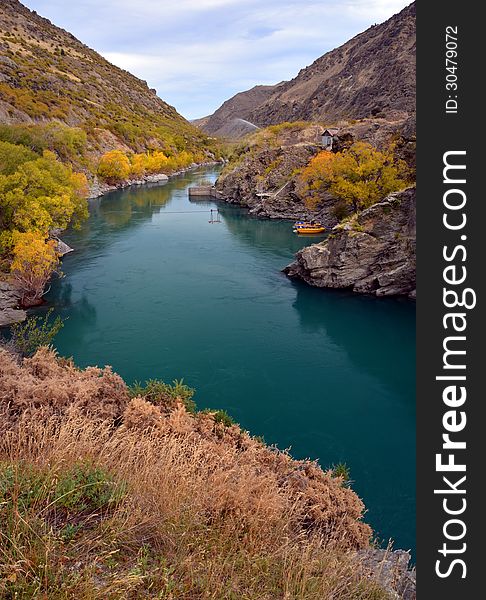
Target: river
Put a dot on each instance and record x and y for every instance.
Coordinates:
(157, 291)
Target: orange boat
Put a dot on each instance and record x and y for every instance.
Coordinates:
(305, 227)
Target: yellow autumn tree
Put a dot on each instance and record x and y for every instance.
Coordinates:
(41, 195)
(358, 176)
(156, 162)
(35, 258)
(114, 167)
(138, 165)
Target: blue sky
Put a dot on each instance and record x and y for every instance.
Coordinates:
(198, 53)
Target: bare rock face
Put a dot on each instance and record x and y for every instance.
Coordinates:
(392, 571)
(373, 253)
(257, 181)
(372, 75)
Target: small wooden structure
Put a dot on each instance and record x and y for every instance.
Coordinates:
(204, 191)
(327, 138)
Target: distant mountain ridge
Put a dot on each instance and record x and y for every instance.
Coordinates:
(373, 74)
(230, 118)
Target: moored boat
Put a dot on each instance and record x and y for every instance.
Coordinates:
(308, 227)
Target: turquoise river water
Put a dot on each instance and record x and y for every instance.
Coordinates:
(157, 291)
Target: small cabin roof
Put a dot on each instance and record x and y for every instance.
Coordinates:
(330, 132)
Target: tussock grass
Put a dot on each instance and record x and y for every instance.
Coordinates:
(130, 499)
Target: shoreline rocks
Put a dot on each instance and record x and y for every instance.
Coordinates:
(99, 188)
(372, 252)
(391, 569)
(10, 312)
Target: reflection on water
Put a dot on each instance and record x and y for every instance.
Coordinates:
(157, 291)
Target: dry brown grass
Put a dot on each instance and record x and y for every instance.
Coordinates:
(201, 510)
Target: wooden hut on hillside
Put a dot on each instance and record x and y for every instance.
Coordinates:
(327, 138)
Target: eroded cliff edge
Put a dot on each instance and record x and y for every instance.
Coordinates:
(373, 252)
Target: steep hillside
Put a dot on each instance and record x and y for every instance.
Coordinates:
(72, 125)
(46, 73)
(371, 75)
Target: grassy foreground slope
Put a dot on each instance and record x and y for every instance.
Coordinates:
(111, 492)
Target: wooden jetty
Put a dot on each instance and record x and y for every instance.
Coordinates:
(204, 191)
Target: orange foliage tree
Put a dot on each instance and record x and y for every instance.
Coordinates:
(138, 165)
(358, 176)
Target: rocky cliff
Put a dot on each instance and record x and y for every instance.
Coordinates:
(262, 176)
(371, 75)
(263, 181)
(372, 252)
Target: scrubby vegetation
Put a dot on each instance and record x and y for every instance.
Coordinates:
(271, 137)
(298, 179)
(48, 74)
(107, 492)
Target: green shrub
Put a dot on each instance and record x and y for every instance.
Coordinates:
(342, 470)
(80, 488)
(163, 394)
(29, 336)
(86, 488)
(220, 416)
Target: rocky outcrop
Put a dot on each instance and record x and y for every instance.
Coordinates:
(263, 174)
(9, 302)
(391, 569)
(373, 252)
(256, 178)
(62, 248)
(264, 180)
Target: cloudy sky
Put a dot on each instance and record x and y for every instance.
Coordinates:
(198, 53)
